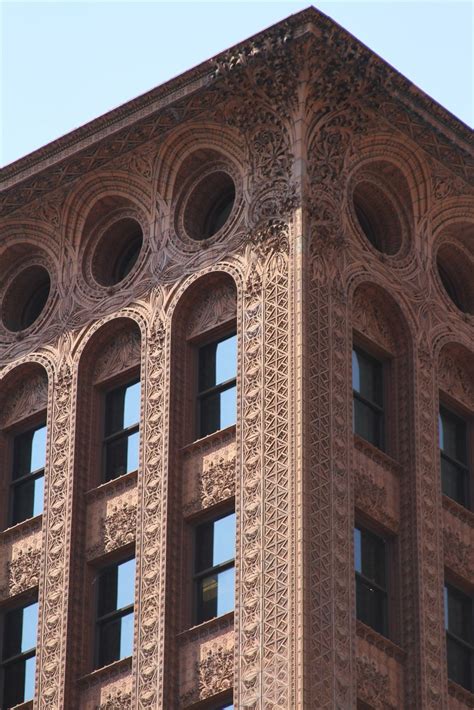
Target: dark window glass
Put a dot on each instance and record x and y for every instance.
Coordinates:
(214, 567)
(453, 446)
(18, 654)
(217, 396)
(29, 454)
(459, 622)
(115, 597)
(127, 259)
(122, 416)
(371, 579)
(367, 385)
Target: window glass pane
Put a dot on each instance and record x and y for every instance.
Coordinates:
(453, 438)
(38, 501)
(107, 598)
(20, 630)
(126, 636)
(122, 455)
(357, 550)
(370, 606)
(18, 682)
(114, 410)
(131, 414)
(23, 501)
(225, 591)
(207, 366)
(126, 583)
(228, 407)
(207, 598)
(38, 449)
(30, 623)
(368, 423)
(373, 558)
(224, 540)
(459, 663)
(226, 360)
(367, 379)
(132, 451)
(454, 481)
(460, 619)
(30, 667)
(109, 642)
(204, 546)
(355, 372)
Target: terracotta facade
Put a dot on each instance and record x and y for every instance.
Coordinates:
(307, 124)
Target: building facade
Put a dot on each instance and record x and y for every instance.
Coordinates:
(237, 393)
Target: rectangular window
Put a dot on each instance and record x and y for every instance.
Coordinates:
(18, 654)
(115, 598)
(27, 486)
(371, 579)
(459, 623)
(454, 457)
(214, 567)
(367, 385)
(121, 442)
(217, 391)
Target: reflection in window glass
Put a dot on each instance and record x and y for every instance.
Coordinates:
(453, 450)
(18, 654)
(217, 395)
(122, 417)
(116, 591)
(29, 456)
(214, 567)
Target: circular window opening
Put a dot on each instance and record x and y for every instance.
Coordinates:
(209, 205)
(378, 218)
(117, 251)
(26, 298)
(455, 274)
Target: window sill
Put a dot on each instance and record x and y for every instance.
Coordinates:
(116, 484)
(377, 455)
(381, 642)
(458, 510)
(460, 693)
(210, 440)
(24, 528)
(113, 669)
(218, 623)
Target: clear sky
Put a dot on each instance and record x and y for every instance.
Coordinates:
(65, 63)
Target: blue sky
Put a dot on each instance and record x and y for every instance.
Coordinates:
(65, 63)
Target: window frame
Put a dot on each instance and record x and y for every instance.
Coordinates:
(17, 603)
(454, 410)
(217, 335)
(211, 516)
(126, 379)
(468, 645)
(367, 351)
(31, 424)
(390, 606)
(100, 621)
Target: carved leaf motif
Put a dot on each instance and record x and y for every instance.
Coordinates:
(219, 306)
(455, 379)
(214, 674)
(119, 355)
(372, 685)
(119, 526)
(116, 700)
(23, 571)
(29, 397)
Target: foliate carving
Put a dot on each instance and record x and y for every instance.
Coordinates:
(214, 675)
(371, 320)
(116, 700)
(455, 379)
(23, 571)
(459, 555)
(371, 498)
(118, 529)
(30, 396)
(372, 684)
(216, 484)
(218, 307)
(119, 355)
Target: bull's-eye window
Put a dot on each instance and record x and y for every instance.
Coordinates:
(209, 205)
(114, 624)
(371, 579)
(217, 391)
(121, 442)
(459, 623)
(27, 485)
(454, 456)
(367, 385)
(26, 298)
(18, 654)
(214, 567)
(117, 251)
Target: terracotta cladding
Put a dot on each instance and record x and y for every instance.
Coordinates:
(298, 117)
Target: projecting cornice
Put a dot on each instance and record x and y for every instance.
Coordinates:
(340, 68)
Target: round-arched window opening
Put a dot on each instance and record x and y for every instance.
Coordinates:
(378, 217)
(209, 205)
(117, 251)
(455, 273)
(26, 297)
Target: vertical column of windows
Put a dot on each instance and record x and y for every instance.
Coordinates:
(114, 620)
(368, 403)
(27, 483)
(121, 440)
(217, 392)
(454, 456)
